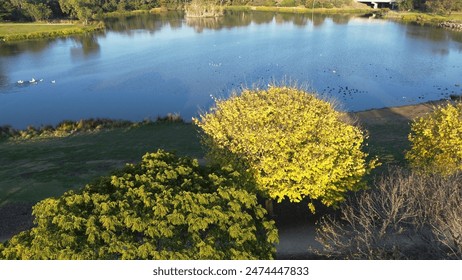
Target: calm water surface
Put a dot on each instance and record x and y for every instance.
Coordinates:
(150, 65)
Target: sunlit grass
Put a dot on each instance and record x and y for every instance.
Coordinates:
(422, 18)
(20, 31)
(33, 169)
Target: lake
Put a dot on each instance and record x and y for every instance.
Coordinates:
(146, 66)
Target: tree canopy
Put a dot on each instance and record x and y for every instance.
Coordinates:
(436, 141)
(293, 144)
(166, 207)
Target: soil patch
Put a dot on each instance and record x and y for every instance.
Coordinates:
(14, 218)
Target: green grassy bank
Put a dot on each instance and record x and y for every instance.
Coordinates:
(23, 31)
(422, 18)
(33, 169)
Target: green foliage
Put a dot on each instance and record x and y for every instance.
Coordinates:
(164, 208)
(287, 3)
(84, 10)
(38, 11)
(443, 7)
(64, 128)
(67, 128)
(329, 4)
(203, 8)
(406, 5)
(437, 141)
(6, 10)
(293, 144)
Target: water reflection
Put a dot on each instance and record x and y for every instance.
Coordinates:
(3, 77)
(153, 23)
(146, 22)
(147, 64)
(20, 47)
(433, 34)
(443, 38)
(86, 46)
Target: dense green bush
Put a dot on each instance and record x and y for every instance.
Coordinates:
(293, 144)
(287, 3)
(163, 208)
(436, 140)
(327, 4)
(443, 7)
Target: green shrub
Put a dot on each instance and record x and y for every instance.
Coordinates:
(166, 207)
(436, 140)
(287, 3)
(327, 4)
(293, 144)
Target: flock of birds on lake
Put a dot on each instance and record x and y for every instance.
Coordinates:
(33, 81)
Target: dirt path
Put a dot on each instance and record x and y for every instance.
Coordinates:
(14, 218)
(393, 115)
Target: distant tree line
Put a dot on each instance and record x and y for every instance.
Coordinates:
(85, 10)
(37, 10)
(432, 6)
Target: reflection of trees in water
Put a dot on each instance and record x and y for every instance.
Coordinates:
(435, 34)
(155, 22)
(296, 19)
(87, 46)
(341, 19)
(318, 19)
(199, 24)
(262, 17)
(149, 22)
(20, 47)
(236, 19)
(3, 77)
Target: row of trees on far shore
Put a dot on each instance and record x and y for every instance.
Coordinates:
(85, 10)
(38, 10)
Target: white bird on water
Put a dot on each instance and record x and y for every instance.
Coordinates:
(33, 81)
(20, 82)
(53, 82)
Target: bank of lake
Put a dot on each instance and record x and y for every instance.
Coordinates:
(36, 30)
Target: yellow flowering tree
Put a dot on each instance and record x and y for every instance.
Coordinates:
(164, 208)
(436, 140)
(293, 144)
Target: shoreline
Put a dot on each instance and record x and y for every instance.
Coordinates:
(110, 123)
(39, 30)
(423, 18)
(301, 10)
(75, 28)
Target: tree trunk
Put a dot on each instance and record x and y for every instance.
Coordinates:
(269, 207)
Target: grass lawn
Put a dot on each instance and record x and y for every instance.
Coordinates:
(19, 31)
(423, 18)
(31, 170)
(23, 28)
